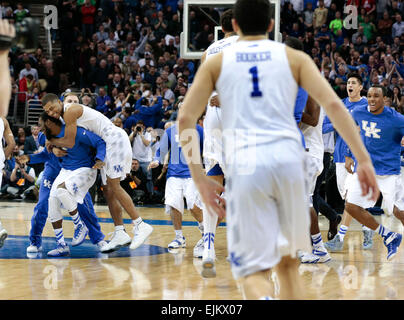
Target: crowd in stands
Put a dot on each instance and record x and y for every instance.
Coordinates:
(123, 57)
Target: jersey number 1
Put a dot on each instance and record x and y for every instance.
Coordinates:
(256, 90)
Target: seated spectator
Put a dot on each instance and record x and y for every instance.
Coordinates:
(22, 182)
(31, 143)
(135, 184)
(29, 70)
(87, 100)
(101, 34)
(20, 139)
(20, 13)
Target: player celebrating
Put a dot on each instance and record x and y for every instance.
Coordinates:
(118, 162)
(212, 149)
(267, 218)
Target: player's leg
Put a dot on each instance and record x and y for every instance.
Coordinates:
(120, 238)
(356, 204)
(256, 286)
(40, 215)
(90, 219)
(141, 230)
(289, 279)
(3, 231)
(174, 203)
(56, 218)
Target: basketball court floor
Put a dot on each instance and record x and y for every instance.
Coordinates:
(151, 272)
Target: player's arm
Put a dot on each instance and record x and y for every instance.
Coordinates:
(70, 117)
(92, 140)
(307, 76)
(311, 113)
(7, 31)
(194, 105)
(9, 137)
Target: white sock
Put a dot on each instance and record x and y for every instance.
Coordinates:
(317, 241)
(209, 228)
(201, 227)
(59, 236)
(178, 234)
(342, 231)
(383, 231)
(365, 228)
(76, 220)
(137, 221)
(119, 228)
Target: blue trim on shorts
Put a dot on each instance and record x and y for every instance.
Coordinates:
(215, 171)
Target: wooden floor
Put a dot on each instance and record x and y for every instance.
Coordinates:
(151, 272)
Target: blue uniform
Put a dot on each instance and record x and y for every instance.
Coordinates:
(301, 101)
(177, 165)
(341, 147)
(382, 136)
(38, 220)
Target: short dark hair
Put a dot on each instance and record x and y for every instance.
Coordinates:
(49, 97)
(253, 16)
(356, 76)
(294, 43)
(44, 116)
(384, 90)
(225, 21)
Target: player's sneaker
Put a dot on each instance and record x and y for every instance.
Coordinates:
(323, 255)
(119, 239)
(33, 248)
(177, 243)
(308, 257)
(80, 233)
(392, 242)
(208, 264)
(198, 249)
(60, 251)
(368, 239)
(335, 244)
(3, 236)
(141, 232)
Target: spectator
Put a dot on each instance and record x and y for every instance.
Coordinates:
(141, 150)
(398, 27)
(104, 103)
(384, 27)
(87, 19)
(320, 15)
(20, 13)
(29, 70)
(31, 144)
(101, 34)
(20, 139)
(22, 181)
(369, 29)
(336, 24)
(135, 183)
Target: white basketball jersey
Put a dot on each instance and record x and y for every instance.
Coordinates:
(258, 94)
(94, 121)
(212, 148)
(313, 137)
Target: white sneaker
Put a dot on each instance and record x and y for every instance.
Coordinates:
(198, 249)
(177, 243)
(119, 239)
(80, 234)
(208, 263)
(3, 236)
(316, 256)
(140, 234)
(33, 249)
(60, 251)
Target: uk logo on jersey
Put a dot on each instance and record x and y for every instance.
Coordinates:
(370, 129)
(118, 168)
(47, 184)
(75, 188)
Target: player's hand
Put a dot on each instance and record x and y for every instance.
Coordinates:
(22, 159)
(59, 152)
(49, 146)
(214, 101)
(208, 190)
(152, 165)
(98, 164)
(349, 163)
(367, 180)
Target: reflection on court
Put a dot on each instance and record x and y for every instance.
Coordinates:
(153, 272)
